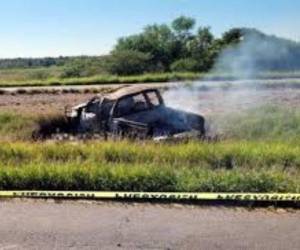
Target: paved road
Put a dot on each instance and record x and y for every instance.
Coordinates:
(88, 225)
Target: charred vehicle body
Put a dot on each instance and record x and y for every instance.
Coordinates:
(135, 112)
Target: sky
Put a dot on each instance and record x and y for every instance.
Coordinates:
(38, 28)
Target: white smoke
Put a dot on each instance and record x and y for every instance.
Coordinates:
(252, 55)
(246, 60)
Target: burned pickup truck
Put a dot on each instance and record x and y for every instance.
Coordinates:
(136, 112)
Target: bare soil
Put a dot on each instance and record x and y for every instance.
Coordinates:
(206, 102)
(41, 103)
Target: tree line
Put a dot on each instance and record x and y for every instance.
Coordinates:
(178, 46)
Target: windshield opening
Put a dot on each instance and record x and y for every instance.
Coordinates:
(131, 104)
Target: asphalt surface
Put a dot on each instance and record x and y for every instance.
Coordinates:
(89, 225)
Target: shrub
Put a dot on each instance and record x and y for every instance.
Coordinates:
(40, 74)
(74, 70)
(128, 62)
(184, 65)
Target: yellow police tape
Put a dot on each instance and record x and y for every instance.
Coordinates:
(175, 196)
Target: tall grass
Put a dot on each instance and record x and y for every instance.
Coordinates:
(261, 153)
(221, 155)
(269, 122)
(228, 166)
(143, 177)
(14, 126)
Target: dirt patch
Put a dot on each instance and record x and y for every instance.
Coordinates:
(206, 102)
(41, 104)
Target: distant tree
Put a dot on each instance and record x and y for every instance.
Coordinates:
(83, 66)
(182, 25)
(232, 36)
(178, 46)
(199, 48)
(73, 70)
(185, 65)
(156, 40)
(128, 62)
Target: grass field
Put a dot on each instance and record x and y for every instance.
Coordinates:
(264, 123)
(15, 126)
(227, 166)
(51, 77)
(260, 154)
(98, 79)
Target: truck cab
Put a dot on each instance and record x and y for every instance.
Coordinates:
(135, 112)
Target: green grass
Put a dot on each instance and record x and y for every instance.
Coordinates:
(261, 153)
(227, 154)
(14, 126)
(269, 122)
(127, 166)
(33, 74)
(101, 79)
(51, 77)
(264, 123)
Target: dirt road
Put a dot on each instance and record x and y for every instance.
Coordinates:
(87, 225)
